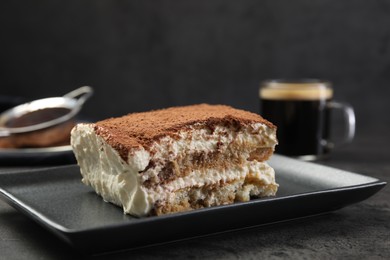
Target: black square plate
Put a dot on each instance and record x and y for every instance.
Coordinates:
(56, 199)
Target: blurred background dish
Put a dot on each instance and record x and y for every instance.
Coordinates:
(39, 131)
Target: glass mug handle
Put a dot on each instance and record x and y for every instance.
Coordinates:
(349, 119)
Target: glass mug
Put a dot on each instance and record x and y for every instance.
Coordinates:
(301, 110)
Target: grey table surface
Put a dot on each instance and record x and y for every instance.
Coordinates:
(359, 231)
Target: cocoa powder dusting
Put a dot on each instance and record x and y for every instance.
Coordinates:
(142, 129)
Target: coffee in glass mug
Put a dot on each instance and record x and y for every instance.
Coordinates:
(301, 110)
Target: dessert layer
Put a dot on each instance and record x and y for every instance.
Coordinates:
(198, 148)
(143, 129)
(259, 184)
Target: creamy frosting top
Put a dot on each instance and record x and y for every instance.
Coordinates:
(142, 129)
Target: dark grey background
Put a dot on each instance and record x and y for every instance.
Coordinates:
(141, 55)
(144, 54)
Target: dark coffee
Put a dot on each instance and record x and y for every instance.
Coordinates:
(300, 111)
(303, 125)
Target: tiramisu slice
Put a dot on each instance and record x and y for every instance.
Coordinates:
(177, 159)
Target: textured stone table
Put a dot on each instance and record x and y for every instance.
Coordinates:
(359, 231)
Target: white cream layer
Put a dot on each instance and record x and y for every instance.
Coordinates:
(120, 182)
